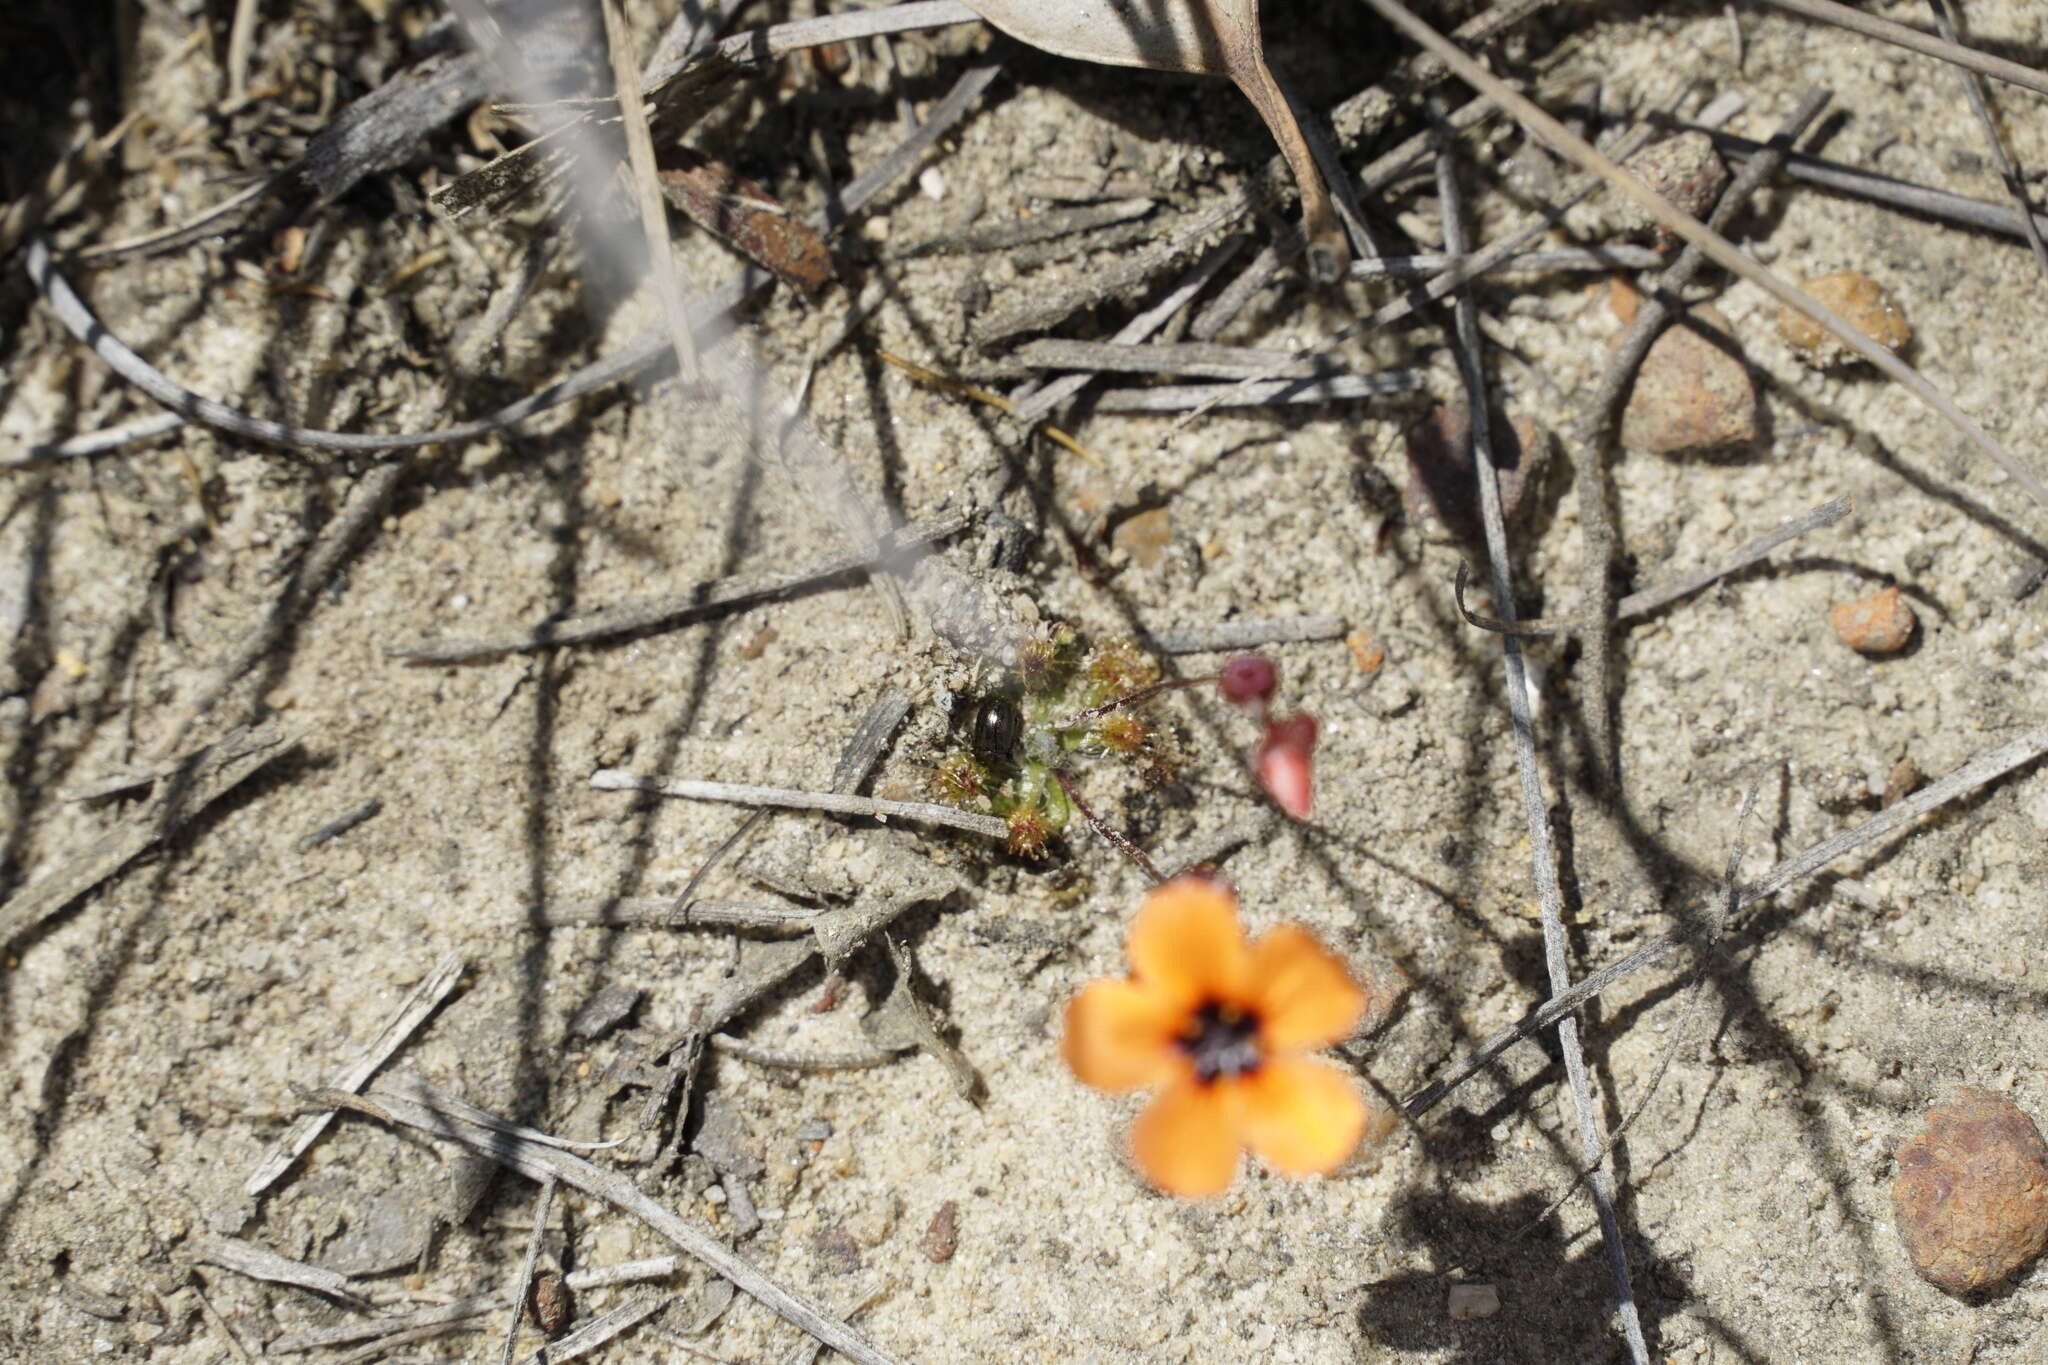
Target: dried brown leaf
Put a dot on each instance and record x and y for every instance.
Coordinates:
(737, 211)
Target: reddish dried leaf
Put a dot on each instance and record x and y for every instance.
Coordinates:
(737, 211)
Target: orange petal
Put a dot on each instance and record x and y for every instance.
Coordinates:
(1302, 1116)
(1304, 995)
(1120, 1036)
(1187, 944)
(1186, 1140)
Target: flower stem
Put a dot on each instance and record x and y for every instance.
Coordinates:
(1105, 833)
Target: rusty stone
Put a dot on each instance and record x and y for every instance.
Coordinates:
(1861, 302)
(1879, 624)
(1971, 1193)
(1693, 391)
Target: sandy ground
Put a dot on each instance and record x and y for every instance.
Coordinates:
(155, 1032)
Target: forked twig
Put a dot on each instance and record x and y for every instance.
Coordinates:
(1715, 247)
(412, 1103)
(1536, 815)
(421, 1001)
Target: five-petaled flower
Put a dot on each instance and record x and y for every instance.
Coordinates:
(1220, 1026)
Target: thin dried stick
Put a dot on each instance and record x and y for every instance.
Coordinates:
(801, 1061)
(1249, 634)
(662, 912)
(421, 1001)
(1597, 259)
(1651, 599)
(412, 1103)
(475, 1306)
(97, 442)
(673, 609)
(1454, 277)
(1695, 993)
(261, 1263)
(616, 779)
(1536, 816)
(199, 781)
(1717, 248)
(220, 1325)
(1943, 205)
(241, 41)
(1885, 31)
(1973, 90)
(1336, 388)
(522, 1284)
(1039, 404)
(79, 320)
(1108, 833)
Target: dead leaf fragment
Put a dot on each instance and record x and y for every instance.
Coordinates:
(737, 211)
(1205, 37)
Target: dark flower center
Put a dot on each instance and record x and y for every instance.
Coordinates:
(1221, 1040)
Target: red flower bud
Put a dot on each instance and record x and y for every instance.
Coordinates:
(1283, 763)
(1246, 680)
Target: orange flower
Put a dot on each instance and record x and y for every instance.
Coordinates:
(1220, 1025)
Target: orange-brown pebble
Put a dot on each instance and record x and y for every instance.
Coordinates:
(1861, 302)
(1879, 624)
(1367, 655)
(1693, 391)
(1971, 1194)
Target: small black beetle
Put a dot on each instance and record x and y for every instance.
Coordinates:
(998, 725)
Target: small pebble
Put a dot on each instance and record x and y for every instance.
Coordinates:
(1684, 169)
(1971, 1194)
(1880, 624)
(1693, 391)
(942, 1236)
(1469, 1301)
(1861, 302)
